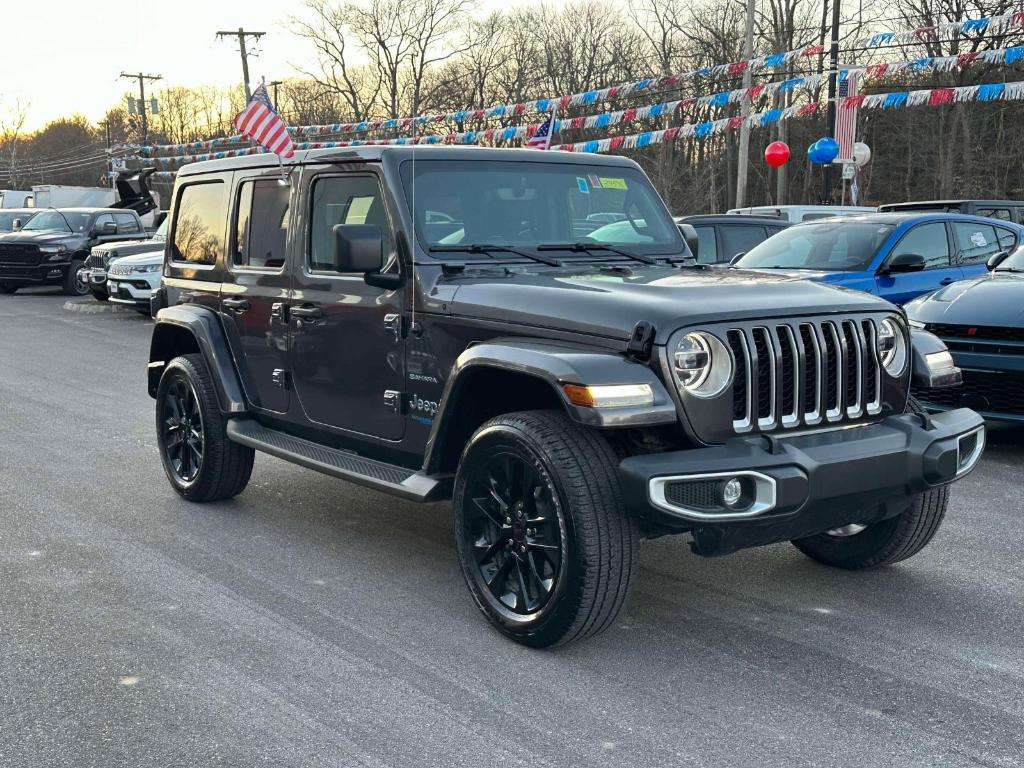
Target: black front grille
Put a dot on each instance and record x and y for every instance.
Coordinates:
(701, 495)
(993, 332)
(20, 255)
(983, 391)
(95, 260)
(804, 373)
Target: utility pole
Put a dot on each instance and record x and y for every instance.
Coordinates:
(142, 97)
(744, 156)
(273, 84)
(242, 34)
(833, 78)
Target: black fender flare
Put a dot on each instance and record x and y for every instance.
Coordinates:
(923, 372)
(553, 363)
(203, 326)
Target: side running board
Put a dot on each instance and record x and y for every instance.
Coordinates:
(388, 478)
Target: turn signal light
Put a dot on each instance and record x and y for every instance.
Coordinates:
(609, 395)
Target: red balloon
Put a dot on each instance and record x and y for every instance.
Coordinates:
(776, 154)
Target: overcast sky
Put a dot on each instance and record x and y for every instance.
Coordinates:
(64, 56)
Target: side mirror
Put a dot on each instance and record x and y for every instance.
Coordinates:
(108, 228)
(690, 237)
(996, 259)
(358, 248)
(905, 262)
(736, 258)
(16, 225)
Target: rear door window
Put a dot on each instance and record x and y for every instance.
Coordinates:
(261, 230)
(974, 242)
(740, 239)
(996, 213)
(199, 223)
(929, 241)
(127, 224)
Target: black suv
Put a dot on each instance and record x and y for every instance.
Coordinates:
(524, 332)
(52, 247)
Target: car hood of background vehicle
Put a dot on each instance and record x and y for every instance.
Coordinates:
(592, 302)
(39, 237)
(129, 246)
(142, 259)
(806, 274)
(993, 299)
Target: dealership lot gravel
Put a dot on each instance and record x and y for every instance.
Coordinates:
(313, 623)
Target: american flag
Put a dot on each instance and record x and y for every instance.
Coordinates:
(846, 119)
(542, 138)
(259, 121)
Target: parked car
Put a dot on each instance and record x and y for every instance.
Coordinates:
(132, 279)
(13, 219)
(102, 256)
(1007, 210)
(15, 198)
(982, 323)
(52, 247)
(795, 214)
(897, 256)
(720, 238)
(570, 396)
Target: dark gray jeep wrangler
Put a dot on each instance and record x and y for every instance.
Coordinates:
(526, 333)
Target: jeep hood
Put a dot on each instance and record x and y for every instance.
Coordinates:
(993, 299)
(143, 259)
(589, 301)
(131, 246)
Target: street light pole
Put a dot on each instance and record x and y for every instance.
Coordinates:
(833, 77)
(142, 97)
(242, 34)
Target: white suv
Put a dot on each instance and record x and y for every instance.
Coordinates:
(132, 279)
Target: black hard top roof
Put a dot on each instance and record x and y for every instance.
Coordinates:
(732, 218)
(401, 152)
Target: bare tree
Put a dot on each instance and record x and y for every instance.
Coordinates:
(12, 121)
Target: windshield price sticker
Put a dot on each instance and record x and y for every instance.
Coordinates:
(582, 184)
(978, 238)
(612, 183)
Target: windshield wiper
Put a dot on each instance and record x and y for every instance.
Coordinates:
(485, 248)
(588, 247)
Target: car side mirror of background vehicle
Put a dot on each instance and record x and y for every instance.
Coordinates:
(733, 261)
(108, 228)
(996, 259)
(16, 225)
(690, 237)
(905, 262)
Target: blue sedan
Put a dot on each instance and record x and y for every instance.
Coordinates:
(895, 256)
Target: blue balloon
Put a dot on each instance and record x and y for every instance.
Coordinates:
(824, 150)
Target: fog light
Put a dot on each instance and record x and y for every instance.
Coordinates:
(732, 492)
(737, 493)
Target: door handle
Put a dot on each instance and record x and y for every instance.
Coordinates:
(306, 312)
(236, 305)
(946, 281)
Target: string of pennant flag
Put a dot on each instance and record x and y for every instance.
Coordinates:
(994, 24)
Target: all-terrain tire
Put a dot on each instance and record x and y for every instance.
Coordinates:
(72, 285)
(600, 543)
(887, 541)
(225, 467)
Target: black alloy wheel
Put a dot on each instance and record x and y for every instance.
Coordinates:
(182, 430)
(515, 527)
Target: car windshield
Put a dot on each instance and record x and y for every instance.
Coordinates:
(161, 231)
(832, 246)
(66, 221)
(526, 204)
(7, 219)
(1013, 263)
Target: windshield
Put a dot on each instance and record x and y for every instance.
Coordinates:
(68, 222)
(7, 219)
(526, 204)
(1014, 262)
(161, 231)
(832, 246)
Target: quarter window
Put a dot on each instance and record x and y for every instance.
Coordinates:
(261, 232)
(707, 248)
(974, 242)
(344, 200)
(1007, 239)
(929, 241)
(740, 239)
(199, 223)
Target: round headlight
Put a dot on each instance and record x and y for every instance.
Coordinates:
(892, 347)
(702, 364)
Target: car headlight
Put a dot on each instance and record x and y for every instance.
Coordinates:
(148, 268)
(917, 324)
(56, 251)
(892, 347)
(702, 365)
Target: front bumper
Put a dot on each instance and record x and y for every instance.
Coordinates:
(34, 275)
(136, 290)
(803, 484)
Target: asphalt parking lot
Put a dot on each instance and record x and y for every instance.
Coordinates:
(313, 623)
